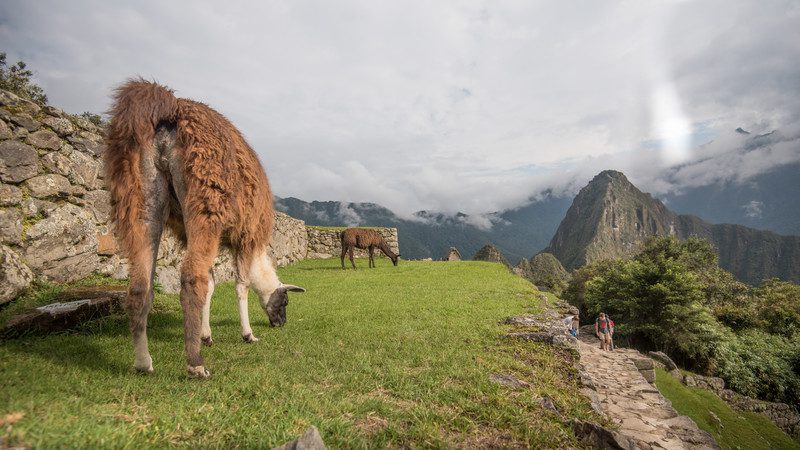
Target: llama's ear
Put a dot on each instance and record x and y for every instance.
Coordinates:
(292, 288)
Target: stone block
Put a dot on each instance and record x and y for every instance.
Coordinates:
(10, 226)
(26, 121)
(44, 139)
(18, 161)
(50, 185)
(10, 195)
(60, 125)
(15, 276)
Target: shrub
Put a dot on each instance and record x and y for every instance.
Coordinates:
(17, 79)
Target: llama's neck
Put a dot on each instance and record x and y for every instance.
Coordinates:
(263, 278)
(386, 250)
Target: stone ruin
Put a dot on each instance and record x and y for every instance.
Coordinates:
(452, 255)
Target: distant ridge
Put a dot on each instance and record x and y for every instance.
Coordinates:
(611, 218)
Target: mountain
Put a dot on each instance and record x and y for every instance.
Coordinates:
(610, 218)
(769, 201)
(490, 253)
(517, 233)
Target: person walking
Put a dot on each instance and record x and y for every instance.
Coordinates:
(576, 323)
(602, 327)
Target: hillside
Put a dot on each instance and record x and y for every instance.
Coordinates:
(610, 218)
(365, 357)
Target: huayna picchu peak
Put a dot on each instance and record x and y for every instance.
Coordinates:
(611, 218)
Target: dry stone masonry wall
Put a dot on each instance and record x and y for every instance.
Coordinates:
(325, 242)
(54, 207)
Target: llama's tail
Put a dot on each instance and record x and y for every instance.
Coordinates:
(139, 106)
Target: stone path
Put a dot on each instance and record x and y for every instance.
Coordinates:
(626, 397)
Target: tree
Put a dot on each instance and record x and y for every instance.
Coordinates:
(17, 79)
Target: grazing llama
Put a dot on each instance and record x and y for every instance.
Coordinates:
(365, 238)
(178, 163)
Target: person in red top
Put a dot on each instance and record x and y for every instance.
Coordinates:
(602, 327)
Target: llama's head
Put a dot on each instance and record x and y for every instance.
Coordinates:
(395, 258)
(275, 306)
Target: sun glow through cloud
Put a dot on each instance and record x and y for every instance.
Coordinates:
(670, 125)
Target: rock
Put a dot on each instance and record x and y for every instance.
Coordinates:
(107, 244)
(44, 139)
(508, 381)
(10, 226)
(597, 436)
(310, 440)
(5, 131)
(15, 276)
(78, 167)
(50, 185)
(663, 359)
(53, 111)
(547, 404)
(689, 380)
(85, 124)
(26, 121)
(643, 363)
(546, 338)
(18, 161)
(10, 195)
(86, 145)
(28, 107)
(649, 375)
(676, 373)
(92, 304)
(8, 98)
(60, 125)
(99, 202)
(20, 133)
(62, 246)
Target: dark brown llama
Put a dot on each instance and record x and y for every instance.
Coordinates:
(365, 239)
(178, 163)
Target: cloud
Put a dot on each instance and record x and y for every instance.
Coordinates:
(752, 209)
(447, 106)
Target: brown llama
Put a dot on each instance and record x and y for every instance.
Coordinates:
(365, 239)
(178, 163)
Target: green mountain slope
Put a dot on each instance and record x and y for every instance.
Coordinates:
(610, 218)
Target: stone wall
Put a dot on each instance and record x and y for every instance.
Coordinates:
(325, 242)
(54, 206)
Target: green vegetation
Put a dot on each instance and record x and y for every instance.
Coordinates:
(673, 297)
(545, 271)
(17, 78)
(734, 429)
(386, 357)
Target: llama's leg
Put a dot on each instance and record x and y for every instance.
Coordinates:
(344, 251)
(350, 253)
(142, 260)
(206, 334)
(203, 243)
(244, 313)
(371, 261)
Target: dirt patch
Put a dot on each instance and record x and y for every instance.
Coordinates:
(371, 423)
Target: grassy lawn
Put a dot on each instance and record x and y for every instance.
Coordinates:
(745, 430)
(387, 357)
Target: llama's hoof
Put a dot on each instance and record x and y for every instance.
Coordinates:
(207, 341)
(147, 370)
(249, 338)
(198, 372)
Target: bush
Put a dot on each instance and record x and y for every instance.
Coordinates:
(17, 79)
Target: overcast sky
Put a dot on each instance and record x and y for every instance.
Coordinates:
(450, 106)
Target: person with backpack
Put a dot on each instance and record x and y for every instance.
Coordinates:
(602, 327)
(611, 333)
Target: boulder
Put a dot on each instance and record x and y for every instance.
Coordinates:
(99, 202)
(10, 226)
(78, 167)
(74, 307)
(18, 161)
(86, 145)
(643, 363)
(62, 246)
(28, 107)
(5, 131)
(53, 111)
(44, 139)
(26, 121)
(310, 440)
(597, 436)
(15, 276)
(508, 381)
(662, 357)
(10, 195)
(8, 98)
(60, 125)
(49, 185)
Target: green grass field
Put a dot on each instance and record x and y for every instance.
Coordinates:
(743, 430)
(387, 357)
